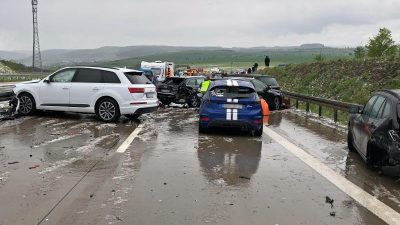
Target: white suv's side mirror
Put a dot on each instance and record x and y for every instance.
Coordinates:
(46, 81)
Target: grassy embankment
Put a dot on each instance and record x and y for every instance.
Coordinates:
(343, 80)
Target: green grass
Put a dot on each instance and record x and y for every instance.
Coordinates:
(237, 58)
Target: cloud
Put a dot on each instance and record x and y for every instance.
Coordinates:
(95, 23)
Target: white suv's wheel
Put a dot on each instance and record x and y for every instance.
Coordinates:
(107, 109)
(27, 104)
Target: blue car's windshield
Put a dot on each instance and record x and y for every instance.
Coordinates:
(232, 92)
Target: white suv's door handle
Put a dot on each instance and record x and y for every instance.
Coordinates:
(95, 89)
(65, 88)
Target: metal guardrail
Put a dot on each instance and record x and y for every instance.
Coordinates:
(21, 77)
(320, 102)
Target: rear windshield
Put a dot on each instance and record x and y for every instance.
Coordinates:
(232, 92)
(137, 78)
(268, 81)
(174, 81)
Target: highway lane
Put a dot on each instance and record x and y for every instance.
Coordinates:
(171, 174)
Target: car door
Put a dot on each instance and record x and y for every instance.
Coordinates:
(358, 121)
(55, 92)
(370, 123)
(85, 85)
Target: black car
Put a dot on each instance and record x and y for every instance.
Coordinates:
(374, 130)
(273, 97)
(180, 90)
(266, 79)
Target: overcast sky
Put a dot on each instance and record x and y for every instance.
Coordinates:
(242, 23)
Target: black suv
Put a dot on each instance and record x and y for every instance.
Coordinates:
(374, 130)
(266, 86)
(180, 90)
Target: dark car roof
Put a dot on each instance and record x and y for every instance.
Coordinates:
(225, 82)
(248, 75)
(393, 92)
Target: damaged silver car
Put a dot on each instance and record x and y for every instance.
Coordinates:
(374, 131)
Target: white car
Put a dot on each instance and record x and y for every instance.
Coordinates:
(108, 92)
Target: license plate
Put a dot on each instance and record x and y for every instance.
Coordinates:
(233, 106)
(165, 90)
(149, 95)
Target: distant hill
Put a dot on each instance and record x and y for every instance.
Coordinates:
(14, 55)
(67, 57)
(235, 57)
(131, 55)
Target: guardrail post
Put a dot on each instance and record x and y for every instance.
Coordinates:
(297, 103)
(335, 115)
(319, 110)
(308, 107)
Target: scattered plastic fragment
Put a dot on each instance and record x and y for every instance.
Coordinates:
(34, 167)
(329, 200)
(244, 177)
(15, 162)
(332, 213)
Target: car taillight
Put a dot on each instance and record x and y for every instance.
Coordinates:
(204, 118)
(136, 90)
(258, 121)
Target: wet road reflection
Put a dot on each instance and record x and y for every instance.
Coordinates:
(229, 160)
(329, 146)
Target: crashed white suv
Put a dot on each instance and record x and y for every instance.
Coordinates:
(108, 92)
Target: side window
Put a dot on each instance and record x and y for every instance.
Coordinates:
(387, 111)
(85, 75)
(377, 106)
(191, 82)
(368, 106)
(259, 86)
(199, 82)
(110, 77)
(63, 76)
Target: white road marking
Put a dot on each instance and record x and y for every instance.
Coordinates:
(122, 148)
(370, 202)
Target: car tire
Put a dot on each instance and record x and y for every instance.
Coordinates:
(258, 133)
(27, 104)
(165, 101)
(202, 129)
(132, 116)
(194, 101)
(350, 141)
(107, 110)
(276, 103)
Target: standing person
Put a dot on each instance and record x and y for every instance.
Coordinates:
(267, 61)
(249, 71)
(255, 67)
(205, 85)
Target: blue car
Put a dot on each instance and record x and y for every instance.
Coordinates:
(231, 104)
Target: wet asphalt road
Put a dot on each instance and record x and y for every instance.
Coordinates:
(171, 174)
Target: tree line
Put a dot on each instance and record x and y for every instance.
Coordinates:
(381, 45)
